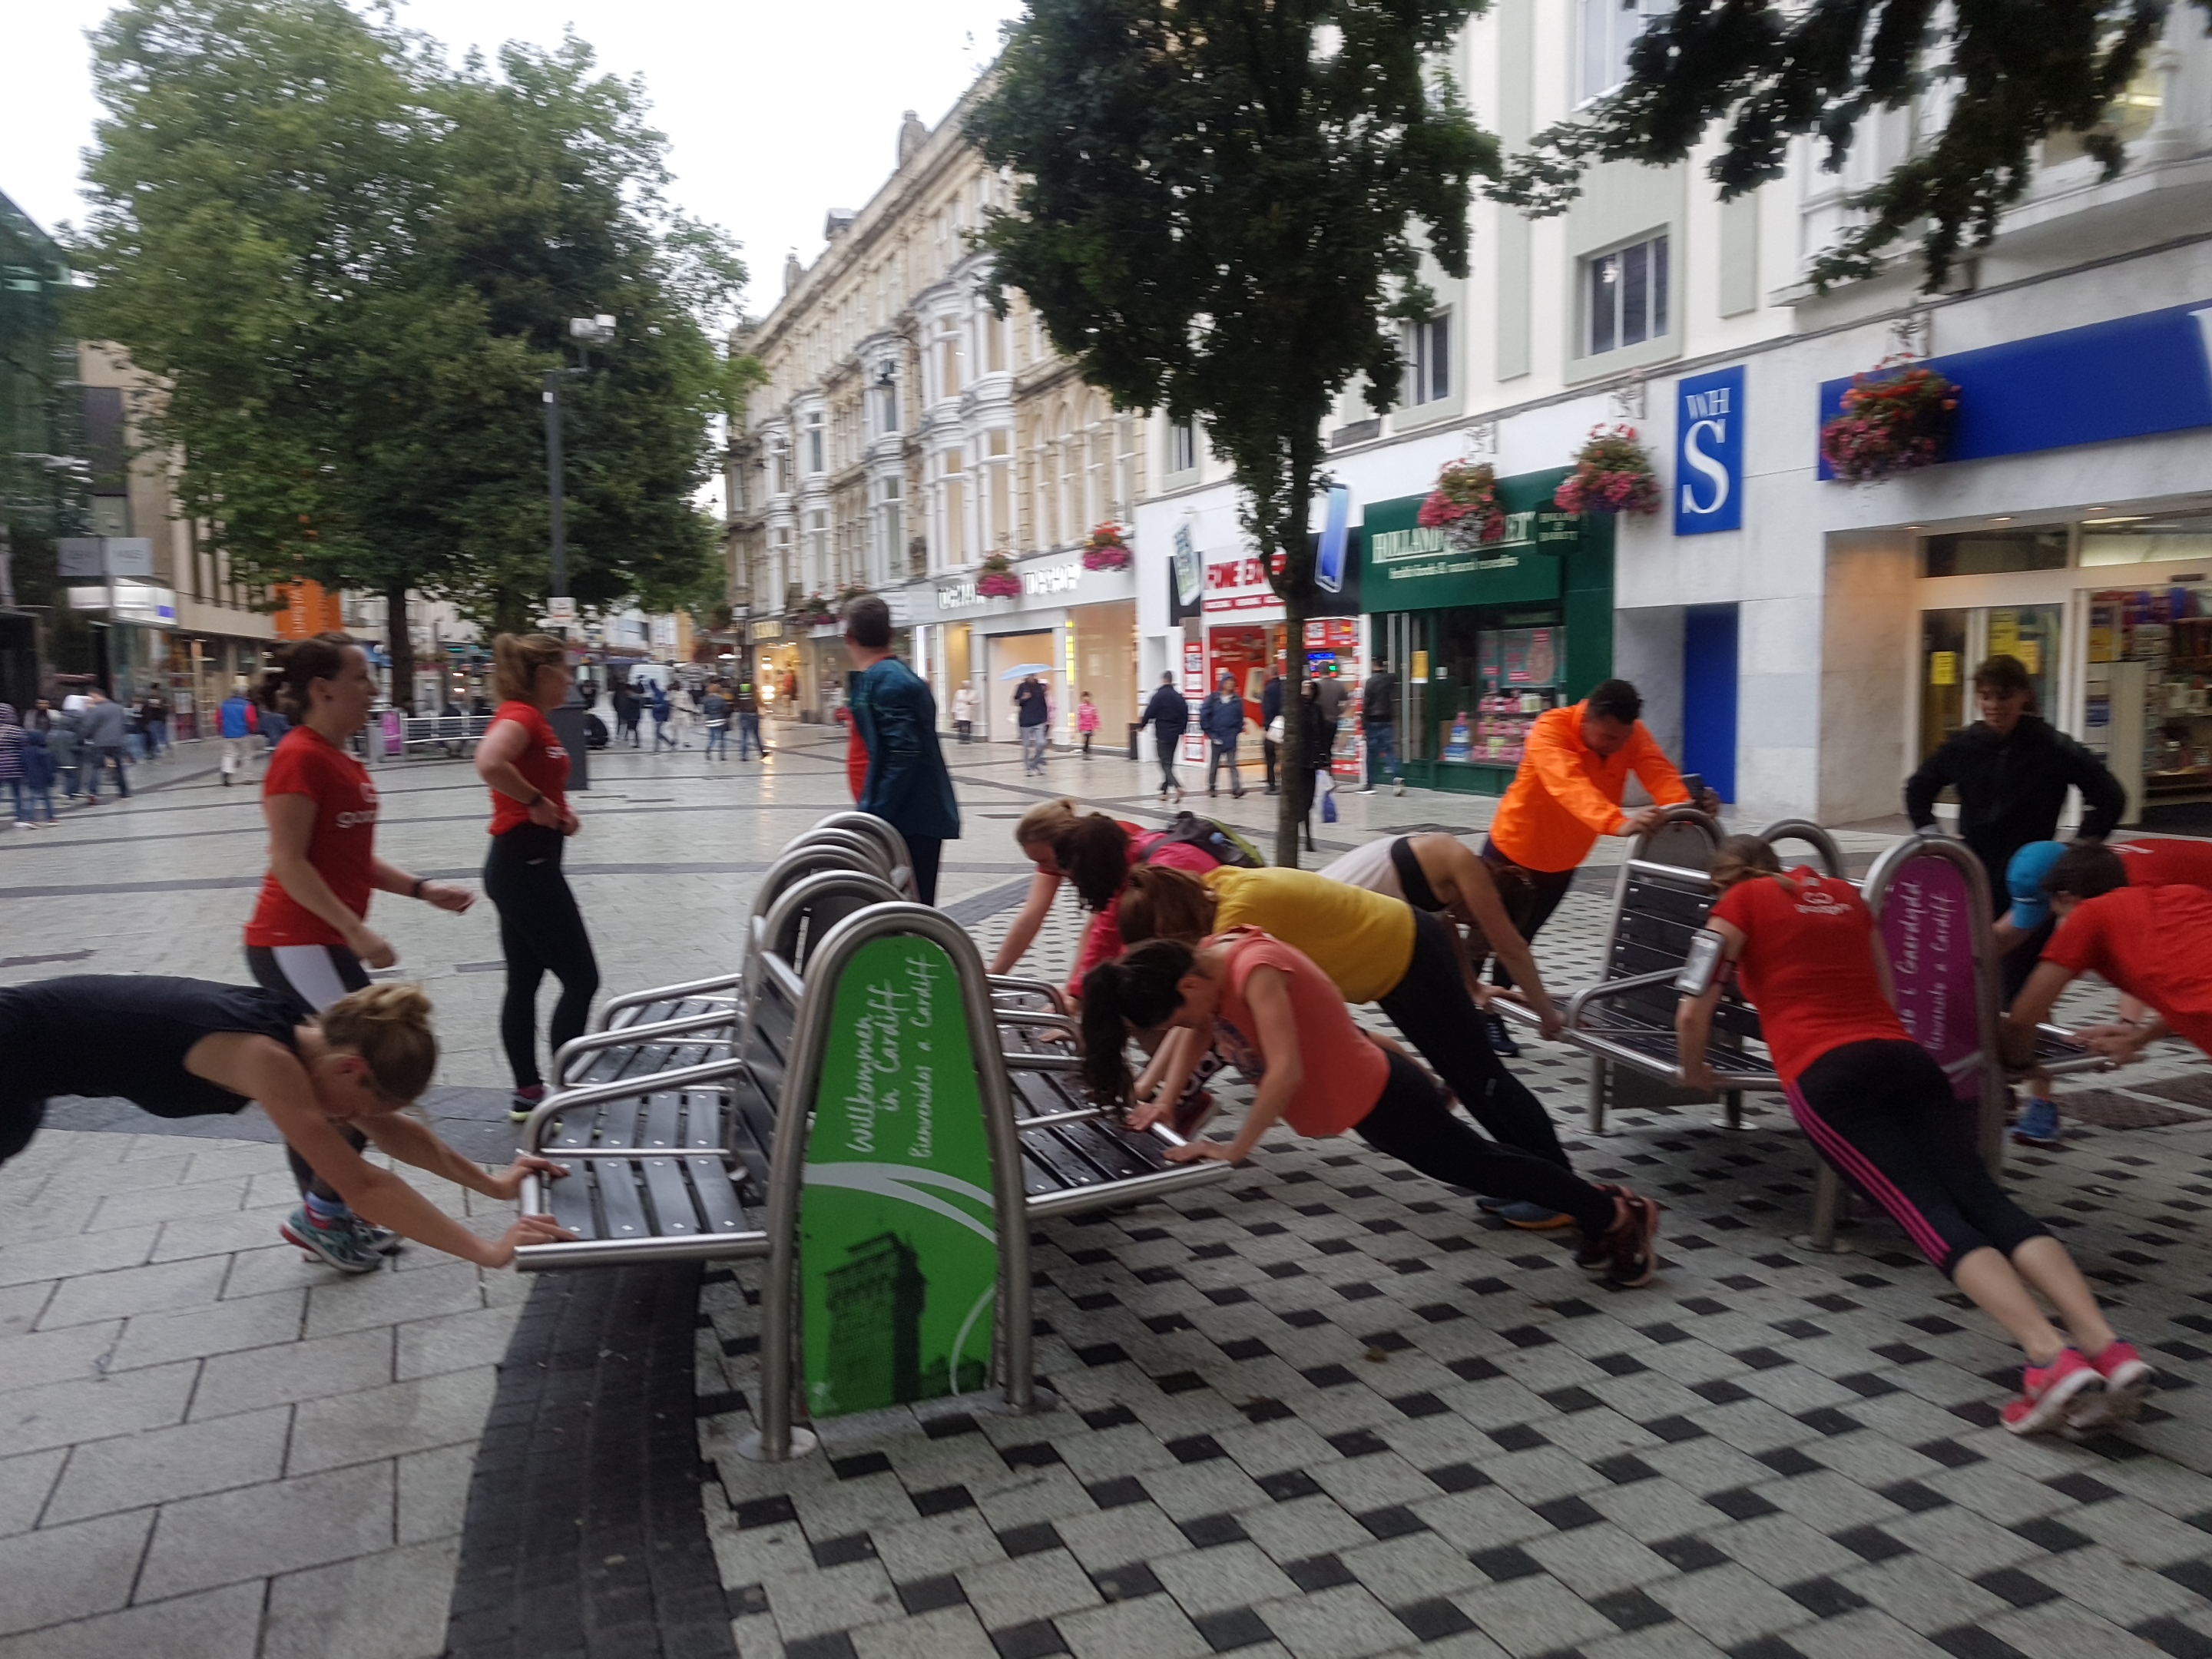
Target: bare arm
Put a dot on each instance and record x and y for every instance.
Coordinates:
(1693, 1016)
(494, 763)
(1268, 993)
(1476, 900)
(1166, 1077)
(291, 820)
(442, 895)
(412, 1142)
(2031, 1007)
(265, 1070)
(1021, 933)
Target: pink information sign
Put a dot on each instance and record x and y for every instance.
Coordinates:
(1928, 928)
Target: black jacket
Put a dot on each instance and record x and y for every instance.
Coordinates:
(2011, 790)
(1378, 702)
(1166, 714)
(1271, 700)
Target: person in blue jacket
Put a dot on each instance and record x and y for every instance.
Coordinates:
(907, 786)
(1221, 717)
(237, 721)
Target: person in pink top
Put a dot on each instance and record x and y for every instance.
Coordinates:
(1086, 722)
(1281, 1021)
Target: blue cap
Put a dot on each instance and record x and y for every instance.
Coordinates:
(2031, 905)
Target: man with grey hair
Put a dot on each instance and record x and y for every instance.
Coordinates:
(908, 785)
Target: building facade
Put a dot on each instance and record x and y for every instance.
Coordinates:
(1801, 643)
(906, 435)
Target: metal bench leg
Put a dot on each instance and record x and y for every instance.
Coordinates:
(1731, 1115)
(1827, 1199)
(1597, 1080)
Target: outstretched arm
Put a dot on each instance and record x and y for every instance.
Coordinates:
(1693, 1016)
(1477, 903)
(1044, 887)
(1267, 992)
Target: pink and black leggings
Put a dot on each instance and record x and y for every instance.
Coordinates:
(1883, 1113)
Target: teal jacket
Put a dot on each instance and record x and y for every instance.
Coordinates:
(908, 785)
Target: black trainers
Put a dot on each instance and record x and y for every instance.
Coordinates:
(1500, 1035)
(526, 1102)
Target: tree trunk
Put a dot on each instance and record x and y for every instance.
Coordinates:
(1296, 798)
(399, 646)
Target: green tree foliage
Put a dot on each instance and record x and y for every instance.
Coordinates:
(1223, 212)
(1770, 71)
(351, 263)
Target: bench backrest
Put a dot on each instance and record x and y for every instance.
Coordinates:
(898, 862)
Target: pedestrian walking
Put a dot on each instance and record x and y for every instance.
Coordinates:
(1330, 694)
(1271, 718)
(625, 703)
(2011, 769)
(197, 1049)
(1280, 1021)
(1086, 722)
(1378, 726)
(541, 930)
(11, 761)
(308, 940)
(662, 711)
(1317, 769)
(1878, 1108)
(716, 711)
(748, 709)
(38, 785)
(1221, 719)
(105, 729)
(963, 711)
(237, 722)
(65, 741)
(907, 786)
(1566, 792)
(1168, 715)
(154, 709)
(1032, 720)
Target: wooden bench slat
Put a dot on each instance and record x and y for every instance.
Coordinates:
(719, 1204)
(674, 1214)
(619, 1198)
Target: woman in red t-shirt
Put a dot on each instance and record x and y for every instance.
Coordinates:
(1882, 1110)
(309, 938)
(540, 928)
(1281, 1021)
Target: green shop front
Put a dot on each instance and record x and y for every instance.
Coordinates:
(1485, 640)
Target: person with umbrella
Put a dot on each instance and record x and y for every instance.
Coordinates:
(1032, 714)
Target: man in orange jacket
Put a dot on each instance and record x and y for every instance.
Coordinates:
(1573, 772)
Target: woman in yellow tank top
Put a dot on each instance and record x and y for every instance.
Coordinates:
(1375, 949)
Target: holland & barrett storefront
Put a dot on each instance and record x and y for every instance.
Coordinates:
(1485, 640)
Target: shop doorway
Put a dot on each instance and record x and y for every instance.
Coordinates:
(1709, 696)
(995, 701)
(1952, 642)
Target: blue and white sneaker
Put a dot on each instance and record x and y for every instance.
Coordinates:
(2037, 1125)
(340, 1245)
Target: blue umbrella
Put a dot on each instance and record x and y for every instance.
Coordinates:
(1020, 670)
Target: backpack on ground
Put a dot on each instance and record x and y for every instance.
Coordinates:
(1220, 843)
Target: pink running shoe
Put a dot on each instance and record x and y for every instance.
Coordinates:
(2128, 1380)
(2048, 1393)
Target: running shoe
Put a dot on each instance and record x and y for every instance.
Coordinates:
(2127, 1380)
(526, 1102)
(1501, 1039)
(1626, 1254)
(340, 1246)
(1532, 1218)
(382, 1240)
(2049, 1393)
(2037, 1125)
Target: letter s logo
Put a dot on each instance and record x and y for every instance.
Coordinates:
(1694, 456)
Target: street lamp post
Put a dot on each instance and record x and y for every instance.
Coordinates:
(568, 722)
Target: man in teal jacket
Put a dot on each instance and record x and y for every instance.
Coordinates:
(907, 786)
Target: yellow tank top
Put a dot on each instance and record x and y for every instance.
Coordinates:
(1362, 940)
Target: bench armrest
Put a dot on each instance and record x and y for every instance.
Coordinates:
(662, 993)
(682, 1077)
(624, 1036)
(1590, 994)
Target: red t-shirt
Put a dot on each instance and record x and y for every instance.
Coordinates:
(1102, 941)
(543, 762)
(1342, 1073)
(2169, 862)
(341, 846)
(2154, 943)
(1807, 967)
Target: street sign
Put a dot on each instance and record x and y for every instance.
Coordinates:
(898, 1240)
(561, 609)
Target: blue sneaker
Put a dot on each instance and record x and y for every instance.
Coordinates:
(2037, 1125)
(341, 1245)
(1532, 1218)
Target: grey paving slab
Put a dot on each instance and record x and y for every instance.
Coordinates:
(388, 1604)
(444, 1410)
(270, 1528)
(212, 1624)
(72, 1571)
(133, 1471)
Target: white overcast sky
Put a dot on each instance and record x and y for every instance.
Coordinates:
(776, 110)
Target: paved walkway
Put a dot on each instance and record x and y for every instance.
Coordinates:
(1322, 1411)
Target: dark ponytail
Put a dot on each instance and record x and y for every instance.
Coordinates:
(298, 666)
(1139, 989)
(1093, 853)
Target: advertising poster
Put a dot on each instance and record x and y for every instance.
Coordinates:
(898, 1261)
(1927, 929)
(1459, 742)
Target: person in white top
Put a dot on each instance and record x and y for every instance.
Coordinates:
(963, 711)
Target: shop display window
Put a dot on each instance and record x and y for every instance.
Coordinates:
(1494, 681)
(1953, 641)
(2146, 539)
(2148, 704)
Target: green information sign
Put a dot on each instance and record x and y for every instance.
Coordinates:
(898, 1243)
(1408, 568)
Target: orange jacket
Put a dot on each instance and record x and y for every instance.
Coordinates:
(1564, 797)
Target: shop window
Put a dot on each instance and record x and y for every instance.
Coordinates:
(1625, 296)
(1988, 552)
(817, 453)
(1427, 349)
(1183, 446)
(2127, 117)
(2148, 696)
(1605, 30)
(2148, 539)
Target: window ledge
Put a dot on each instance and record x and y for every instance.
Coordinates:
(1626, 360)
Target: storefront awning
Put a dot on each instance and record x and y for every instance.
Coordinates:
(1406, 568)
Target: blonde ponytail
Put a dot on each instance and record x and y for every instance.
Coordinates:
(389, 1027)
(1045, 822)
(1739, 858)
(516, 659)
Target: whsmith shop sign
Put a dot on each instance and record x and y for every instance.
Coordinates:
(1408, 568)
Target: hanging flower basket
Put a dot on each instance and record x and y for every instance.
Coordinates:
(1464, 505)
(1612, 475)
(1107, 550)
(998, 580)
(811, 611)
(1896, 419)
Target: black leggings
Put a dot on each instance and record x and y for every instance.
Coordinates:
(1412, 1123)
(540, 930)
(1164, 744)
(1529, 897)
(310, 977)
(1431, 1007)
(1883, 1113)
